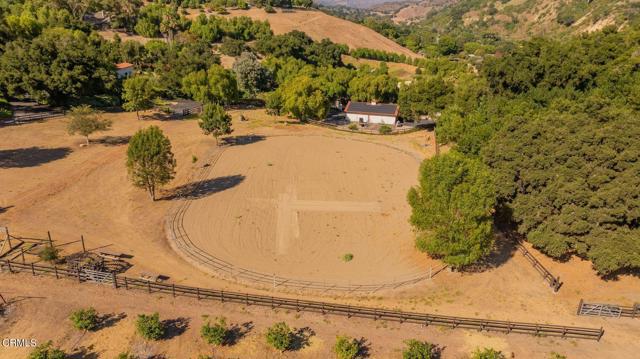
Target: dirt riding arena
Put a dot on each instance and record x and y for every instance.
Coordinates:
(293, 206)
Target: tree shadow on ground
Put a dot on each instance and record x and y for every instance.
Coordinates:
(175, 327)
(83, 353)
(300, 338)
(109, 320)
(363, 348)
(112, 140)
(503, 250)
(4, 209)
(237, 332)
(204, 188)
(242, 140)
(31, 157)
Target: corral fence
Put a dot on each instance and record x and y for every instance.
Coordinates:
(315, 306)
(30, 117)
(181, 242)
(554, 281)
(608, 310)
(368, 131)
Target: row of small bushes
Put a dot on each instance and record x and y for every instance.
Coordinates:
(279, 336)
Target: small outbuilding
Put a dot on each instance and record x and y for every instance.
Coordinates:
(124, 70)
(372, 113)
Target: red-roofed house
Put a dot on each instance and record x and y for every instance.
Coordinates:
(124, 70)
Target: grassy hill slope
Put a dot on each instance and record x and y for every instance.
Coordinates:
(319, 25)
(519, 19)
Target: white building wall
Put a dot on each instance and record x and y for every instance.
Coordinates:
(355, 117)
(128, 72)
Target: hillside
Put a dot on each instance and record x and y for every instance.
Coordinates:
(319, 25)
(519, 19)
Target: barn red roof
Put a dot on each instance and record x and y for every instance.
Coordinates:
(123, 65)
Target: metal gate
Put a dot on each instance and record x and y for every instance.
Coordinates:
(89, 275)
(600, 310)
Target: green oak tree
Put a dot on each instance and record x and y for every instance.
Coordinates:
(150, 162)
(215, 121)
(452, 209)
(139, 93)
(85, 120)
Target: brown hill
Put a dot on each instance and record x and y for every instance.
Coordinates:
(319, 25)
(518, 19)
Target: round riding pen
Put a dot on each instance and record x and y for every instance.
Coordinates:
(304, 212)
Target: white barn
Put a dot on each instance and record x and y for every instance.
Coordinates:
(378, 113)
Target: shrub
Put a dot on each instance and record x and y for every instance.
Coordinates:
(346, 347)
(353, 127)
(279, 336)
(84, 319)
(418, 350)
(47, 351)
(347, 257)
(487, 353)
(149, 326)
(214, 334)
(194, 158)
(49, 254)
(554, 355)
(385, 130)
(126, 355)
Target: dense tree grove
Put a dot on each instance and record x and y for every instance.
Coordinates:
(557, 124)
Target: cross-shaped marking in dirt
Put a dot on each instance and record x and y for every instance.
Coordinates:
(288, 206)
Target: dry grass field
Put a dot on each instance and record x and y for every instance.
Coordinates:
(401, 71)
(319, 25)
(50, 182)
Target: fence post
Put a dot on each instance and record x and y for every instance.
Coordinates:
(33, 270)
(6, 229)
(55, 269)
(126, 285)
(79, 279)
(50, 240)
(222, 296)
(198, 293)
(173, 290)
(149, 286)
(580, 307)
(22, 254)
(9, 264)
(115, 280)
(84, 249)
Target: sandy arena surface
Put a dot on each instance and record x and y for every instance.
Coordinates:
(49, 182)
(294, 205)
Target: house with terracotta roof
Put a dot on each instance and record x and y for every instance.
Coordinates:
(124, 70)
(372, 112)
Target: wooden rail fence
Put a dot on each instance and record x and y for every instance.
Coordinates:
(315, 306)
(608, 310)
(18, 119)
(554, 282)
